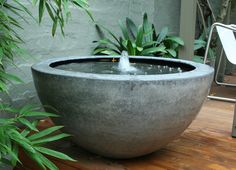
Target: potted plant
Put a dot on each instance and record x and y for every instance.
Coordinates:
(28, 137)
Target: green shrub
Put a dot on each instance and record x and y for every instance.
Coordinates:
(138, 41)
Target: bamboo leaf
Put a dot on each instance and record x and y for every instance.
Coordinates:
(27, 124)
(50, 139)
(53, 153)
(41, 9)
(44, 133)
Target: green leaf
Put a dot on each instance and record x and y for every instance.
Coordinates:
(162, 35)
(53, 153)
(41, 9)
(211, 53)
(198, 44)
(4, 107)
(50, 139)
(21, 140)
(50, 11)
(198, 59)
(130, 48)
(44, 133)
(12, 153)
(27, 124)
(172, 52)
(139, 40)
(124, 30)
(47, 162)
(105, 51)
(10, 77)
(178, 40)
(109, 32)
(153, 50)
(147, 29)
(54, 27)
(37, 159)
(25, 109)
(132, 28)
(38, 114)
(150, 44)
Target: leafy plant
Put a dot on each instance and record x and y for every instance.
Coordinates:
(200, 48)
(138, 41)
(59, 11)
(206, 17)
(11, 137)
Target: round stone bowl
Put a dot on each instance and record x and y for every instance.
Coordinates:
(123, 116)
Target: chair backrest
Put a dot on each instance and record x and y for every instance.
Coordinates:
(228, 42)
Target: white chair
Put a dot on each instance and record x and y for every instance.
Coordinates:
(228, 41)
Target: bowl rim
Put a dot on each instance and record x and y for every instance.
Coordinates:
(201, 70)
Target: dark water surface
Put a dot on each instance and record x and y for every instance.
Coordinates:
(112, 68)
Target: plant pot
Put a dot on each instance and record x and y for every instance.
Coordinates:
(123, 116)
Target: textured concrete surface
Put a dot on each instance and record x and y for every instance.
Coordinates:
(123, 116)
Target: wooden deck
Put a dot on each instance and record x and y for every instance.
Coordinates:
(206, 144)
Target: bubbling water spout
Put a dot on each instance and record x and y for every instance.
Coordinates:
(124, 64)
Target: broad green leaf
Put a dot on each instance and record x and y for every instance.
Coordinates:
(154, 33)
(139, 40)
(149, 44)
(140, 49)
(107, 42)
(105, 51)
(109, 32)
(162, 35)
(130, 48)
(132, 28)
(172, 52)
(211, 53)
(154, 50)
(178, 40)
(124, 30)
(147, 29)
(198, 44)
(198, 59)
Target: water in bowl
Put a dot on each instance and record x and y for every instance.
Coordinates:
(121, 67)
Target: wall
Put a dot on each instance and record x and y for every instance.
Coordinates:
(80, 33)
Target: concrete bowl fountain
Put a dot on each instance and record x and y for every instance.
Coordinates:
(123, 114)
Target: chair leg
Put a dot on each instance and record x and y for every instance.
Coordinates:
(234, 123)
